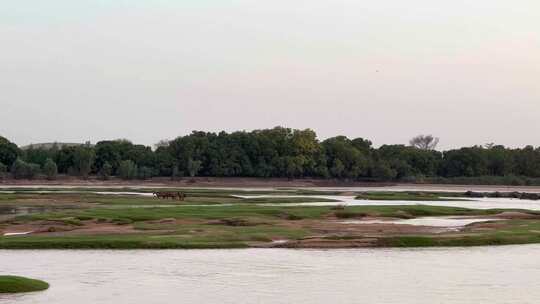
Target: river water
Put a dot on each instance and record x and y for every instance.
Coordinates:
(507, 274)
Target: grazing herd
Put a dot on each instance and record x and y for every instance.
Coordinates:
(170, 194)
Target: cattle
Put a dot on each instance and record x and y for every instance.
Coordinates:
(170, 194)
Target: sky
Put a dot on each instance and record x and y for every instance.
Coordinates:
(466, 71)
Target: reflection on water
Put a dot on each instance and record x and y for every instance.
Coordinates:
(509, 274)
(433, 221)
(476, 203)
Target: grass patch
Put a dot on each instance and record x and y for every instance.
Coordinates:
(14, 284)
(183, 237)
(115, 242)
(409, 196)
(512, 233)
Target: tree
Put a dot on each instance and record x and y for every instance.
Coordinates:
(105, 171)
(382, 171)
(38, 155)
(9, 152)
(145, 172)
(33, 170)
(50, 169)
(275, 152)
(127, 169)
(175, 173)
(470, 162)
(164, 143)
(83, 160)
(193, 167)
(21, 169)
(424, 142)
(337, 169)
(294, 166)
(3, 171)
(347, 160)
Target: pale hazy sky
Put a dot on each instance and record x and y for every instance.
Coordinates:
(467, 71)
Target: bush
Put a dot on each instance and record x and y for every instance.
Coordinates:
(50, 169)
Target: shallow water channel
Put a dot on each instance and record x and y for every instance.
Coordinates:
(506, 274)
(473, 203)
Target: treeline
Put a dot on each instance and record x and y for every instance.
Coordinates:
(277, 152)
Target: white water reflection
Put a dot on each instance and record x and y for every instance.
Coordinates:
(78, 192)
(495, 275)
(148, 194)
(476, 203)
(17, 233)
(432, 221)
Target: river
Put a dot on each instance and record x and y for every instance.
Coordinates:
(507, 274)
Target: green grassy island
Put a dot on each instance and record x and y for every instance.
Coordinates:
(15, 284)
(218, 218)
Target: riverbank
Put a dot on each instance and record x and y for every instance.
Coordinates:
(255, 183)
(15, 284)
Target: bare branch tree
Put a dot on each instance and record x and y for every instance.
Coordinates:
(424, 142)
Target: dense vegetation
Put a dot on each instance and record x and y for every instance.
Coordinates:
(14, 284)
(277, 152)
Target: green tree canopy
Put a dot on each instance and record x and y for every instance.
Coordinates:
(9, 152)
